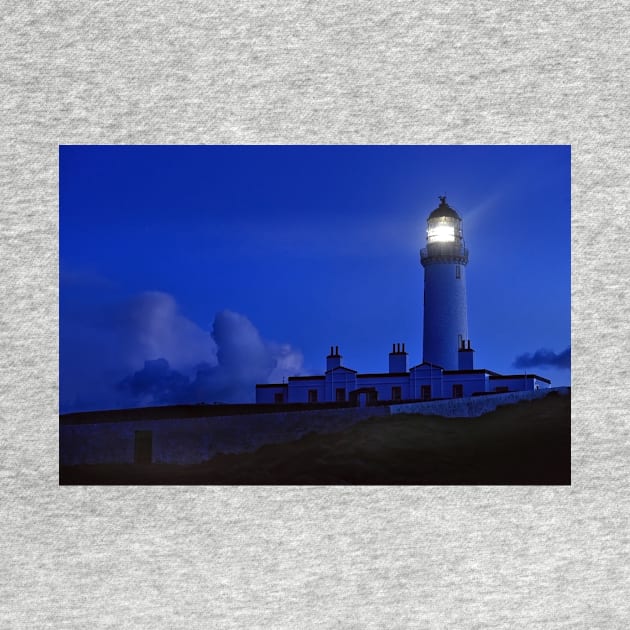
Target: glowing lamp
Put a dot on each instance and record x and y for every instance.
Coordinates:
(442, 232)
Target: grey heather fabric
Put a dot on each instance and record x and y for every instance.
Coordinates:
(303, 72)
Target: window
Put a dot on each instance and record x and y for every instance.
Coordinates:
(278, 398)
(396, 393)
(312, 395)
(501, 390)
(340, 394)
(458, 391)
(458, 271)
(425, 392)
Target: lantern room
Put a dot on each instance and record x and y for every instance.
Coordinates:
(444, 224)
(445, 236)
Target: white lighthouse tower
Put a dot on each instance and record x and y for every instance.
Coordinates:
(444, 260)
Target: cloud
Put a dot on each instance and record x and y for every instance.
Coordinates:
(243, 359)
(241, 351)
(152, 327)
(287, 362)
(156, 383)
(145, 352)
(544, 357)
(102, 341)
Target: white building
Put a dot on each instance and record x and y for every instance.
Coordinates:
(447, 370)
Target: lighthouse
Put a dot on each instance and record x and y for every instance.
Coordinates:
(445, 340)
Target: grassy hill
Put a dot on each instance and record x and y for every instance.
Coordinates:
(526, 443)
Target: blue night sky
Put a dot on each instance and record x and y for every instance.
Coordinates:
(190, 273)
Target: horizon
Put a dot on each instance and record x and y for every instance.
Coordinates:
(223, 265)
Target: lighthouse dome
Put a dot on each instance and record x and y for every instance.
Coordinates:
(444, 210)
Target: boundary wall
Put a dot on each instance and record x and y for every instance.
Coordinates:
(196, 440)
(475, 406)
(187, 440)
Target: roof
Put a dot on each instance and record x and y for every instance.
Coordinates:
(480, 371)
(426, 364)
(383, 375)
(341, 367)
(497, 377)
(271, 385)
(307, 378)
(444, 210)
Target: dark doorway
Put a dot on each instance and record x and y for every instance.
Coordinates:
(425, 392)
(143, 447)
(364, 396)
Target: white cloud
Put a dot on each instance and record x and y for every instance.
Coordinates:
(146, 352)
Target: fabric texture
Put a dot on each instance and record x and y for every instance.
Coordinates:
(399, 72)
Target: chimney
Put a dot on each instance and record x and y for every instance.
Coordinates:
(465, 357)
(333, 360)
(397, 359)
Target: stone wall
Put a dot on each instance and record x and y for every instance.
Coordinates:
(195, 440)
(471, 407)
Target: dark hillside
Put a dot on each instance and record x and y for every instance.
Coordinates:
(527, 443)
